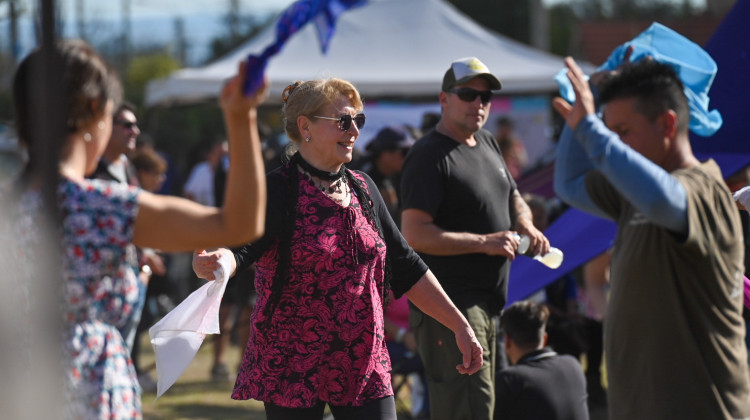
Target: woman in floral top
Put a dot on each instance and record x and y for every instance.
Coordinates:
(101, 221)
(330, 253)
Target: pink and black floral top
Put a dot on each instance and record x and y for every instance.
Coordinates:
(325, 340)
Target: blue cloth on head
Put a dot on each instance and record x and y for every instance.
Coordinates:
(693, 65)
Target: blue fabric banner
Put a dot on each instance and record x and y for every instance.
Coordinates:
(324, 14)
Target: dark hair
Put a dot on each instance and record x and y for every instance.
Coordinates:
(148, 160)
(87, 80)
(88, 83)
(125, 106)
(505, 121)
(655, 86)
(429, 121)
(524, 322)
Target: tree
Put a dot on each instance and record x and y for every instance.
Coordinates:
(511, 18)
(240, 30)
(562, 19)
(142, 69)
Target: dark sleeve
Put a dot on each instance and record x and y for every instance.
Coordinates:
(101, 172)
(503, 396)
(422, 186)
(276, 186)
(406, 265)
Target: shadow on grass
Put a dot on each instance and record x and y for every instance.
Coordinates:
(203, 411)
(200, 400)
(201, 386)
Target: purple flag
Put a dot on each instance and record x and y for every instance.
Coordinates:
(323, 12)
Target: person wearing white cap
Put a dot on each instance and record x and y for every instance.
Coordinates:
(461, 211)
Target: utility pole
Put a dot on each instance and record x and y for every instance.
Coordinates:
(80, 19)
(15, 47)
(234, 19)
(179, 40)
(126, 32)
(539, 25)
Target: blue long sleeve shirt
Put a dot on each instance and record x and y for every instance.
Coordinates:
(651, 189)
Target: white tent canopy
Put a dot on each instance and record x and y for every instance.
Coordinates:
(386, 48)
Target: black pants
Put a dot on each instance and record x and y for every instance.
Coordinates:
(382, 409)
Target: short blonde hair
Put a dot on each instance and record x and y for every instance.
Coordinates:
(310, 98)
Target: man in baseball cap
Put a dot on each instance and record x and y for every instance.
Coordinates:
(461, 210)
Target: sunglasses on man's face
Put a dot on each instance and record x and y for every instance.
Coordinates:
(345, 121)
(470, 95)
(127, 124)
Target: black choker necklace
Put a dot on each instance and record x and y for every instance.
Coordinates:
(328, 176)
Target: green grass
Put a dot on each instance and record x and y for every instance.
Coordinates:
(194, 396)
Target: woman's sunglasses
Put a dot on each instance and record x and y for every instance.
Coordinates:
(470, 95)
(345, 121)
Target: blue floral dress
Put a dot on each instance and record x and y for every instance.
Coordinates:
(100, 289)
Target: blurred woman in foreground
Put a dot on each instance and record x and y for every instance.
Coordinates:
(101, 221)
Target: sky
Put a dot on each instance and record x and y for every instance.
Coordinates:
(110, 9)
(153, 20)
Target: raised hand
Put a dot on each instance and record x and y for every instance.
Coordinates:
(584, 104)
(234, 102)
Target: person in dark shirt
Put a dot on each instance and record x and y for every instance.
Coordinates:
(385, 160)
(463, 214)
(540, 384)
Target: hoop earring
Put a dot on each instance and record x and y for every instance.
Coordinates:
(307, 140)
(87, 137)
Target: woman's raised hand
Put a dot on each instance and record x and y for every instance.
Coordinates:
(233, 101)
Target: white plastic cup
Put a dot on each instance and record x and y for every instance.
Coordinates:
(523, 244)
(553, 259)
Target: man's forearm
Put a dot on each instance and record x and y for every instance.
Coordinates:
(430, 239)
(571, 166)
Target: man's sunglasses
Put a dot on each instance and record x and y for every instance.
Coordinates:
(470, 95)
(127, 124)
(345, 121)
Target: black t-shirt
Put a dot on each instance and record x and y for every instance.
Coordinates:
(542, 385)
(464, 189)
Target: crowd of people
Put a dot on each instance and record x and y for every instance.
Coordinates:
(346, 273)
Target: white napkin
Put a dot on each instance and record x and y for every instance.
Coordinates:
(742, 196)
(177, 337)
